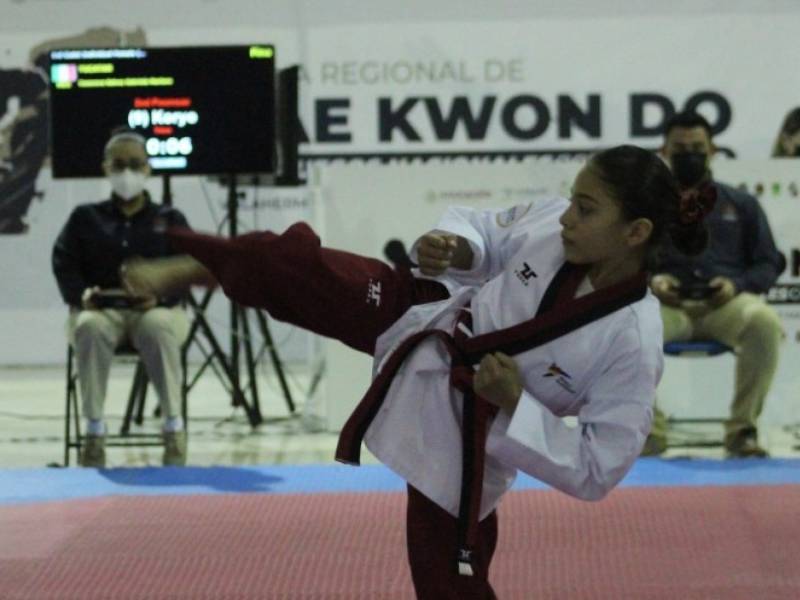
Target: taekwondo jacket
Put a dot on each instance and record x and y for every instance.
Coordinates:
(604, 373)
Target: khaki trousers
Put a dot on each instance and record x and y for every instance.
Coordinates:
(157, 334)
(753, 329)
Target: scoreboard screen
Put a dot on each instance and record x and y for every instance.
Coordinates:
(203, 110)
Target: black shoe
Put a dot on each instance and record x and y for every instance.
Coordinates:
(744, 444)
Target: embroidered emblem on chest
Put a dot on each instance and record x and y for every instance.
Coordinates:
(525, 274)
(562, 378)
(729, 213)
(159, 225)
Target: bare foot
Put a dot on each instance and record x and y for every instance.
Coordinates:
(163, 276)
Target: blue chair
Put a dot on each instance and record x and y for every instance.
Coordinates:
(694, 349)
(700, 347)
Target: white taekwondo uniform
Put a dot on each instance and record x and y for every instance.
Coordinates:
(605, 373)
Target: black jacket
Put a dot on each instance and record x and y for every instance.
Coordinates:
(740, 246)
(98, 238)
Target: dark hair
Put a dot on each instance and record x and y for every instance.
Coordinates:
(645, 188)
(687, 120)
(791, 125)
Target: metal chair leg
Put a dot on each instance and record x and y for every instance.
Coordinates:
(185, 385)
(72, 417)
(141, 388)
(136, 400)
(129, 408)
(68, 415)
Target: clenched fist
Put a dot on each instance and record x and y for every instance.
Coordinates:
(435, 253)
(497, 381)
(438, 251)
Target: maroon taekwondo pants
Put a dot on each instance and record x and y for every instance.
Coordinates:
(352, 299)
(333, 293)
(432, 538)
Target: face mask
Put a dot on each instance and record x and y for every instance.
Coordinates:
(689, 167)
(127, 184)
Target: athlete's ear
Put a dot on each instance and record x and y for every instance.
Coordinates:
(639, 231)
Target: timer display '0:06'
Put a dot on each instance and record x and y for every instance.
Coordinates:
(171, 146)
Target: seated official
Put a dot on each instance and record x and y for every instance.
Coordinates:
(96, 240)
(717, 295)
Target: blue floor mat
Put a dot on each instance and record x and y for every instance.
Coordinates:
(40, 485)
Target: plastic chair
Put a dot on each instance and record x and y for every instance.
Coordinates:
(695, 349)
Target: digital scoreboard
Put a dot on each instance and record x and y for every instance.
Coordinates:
(203, 110)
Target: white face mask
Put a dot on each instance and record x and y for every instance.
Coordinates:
(127, 184)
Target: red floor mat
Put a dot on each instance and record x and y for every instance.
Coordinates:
(640, 543)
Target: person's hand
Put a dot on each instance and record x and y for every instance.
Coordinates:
(435, 252)
(666, 288)
(144, 303)
(725, 291)
(86, 298)
(696, 309)
(497, 381)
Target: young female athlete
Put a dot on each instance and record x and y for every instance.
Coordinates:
(516, 319)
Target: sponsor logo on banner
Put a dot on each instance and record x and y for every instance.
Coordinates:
(784, 293)
(772, 189)
(490, 197)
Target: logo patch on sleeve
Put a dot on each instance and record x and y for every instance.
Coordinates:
(374, 292)
(508, 217)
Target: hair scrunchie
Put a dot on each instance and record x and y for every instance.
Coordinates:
(696, 204)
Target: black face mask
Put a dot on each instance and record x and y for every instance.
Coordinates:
(689, 167)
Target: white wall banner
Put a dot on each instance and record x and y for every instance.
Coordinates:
(547, 86)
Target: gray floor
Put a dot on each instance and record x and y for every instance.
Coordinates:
(32, 425)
